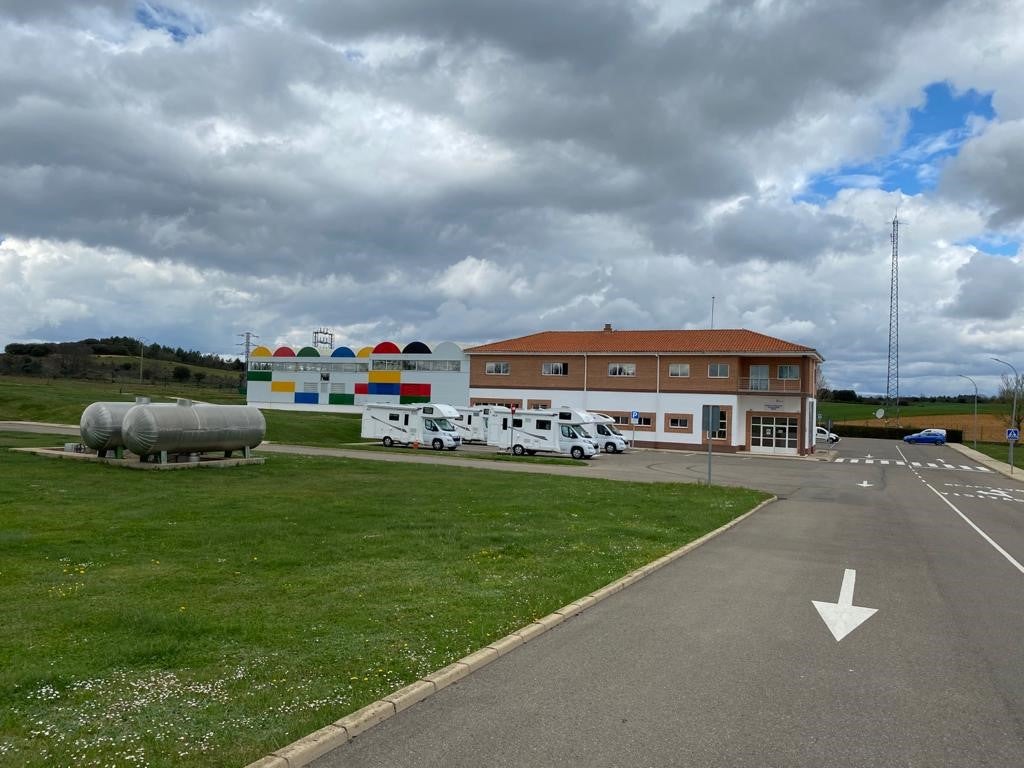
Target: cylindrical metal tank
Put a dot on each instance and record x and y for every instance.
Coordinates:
(101, 424)
(188, 427)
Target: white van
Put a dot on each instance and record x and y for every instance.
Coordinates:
(531, 431)
(426, 424)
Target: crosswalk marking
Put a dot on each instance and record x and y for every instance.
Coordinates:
(915, 464)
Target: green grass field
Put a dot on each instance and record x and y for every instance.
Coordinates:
(62, 401)
(862, 411)
(206, 617)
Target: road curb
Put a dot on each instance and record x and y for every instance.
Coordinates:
(309, 748)
(987, 461)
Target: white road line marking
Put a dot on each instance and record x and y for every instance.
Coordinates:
(840, 461)
(980, 532)
(885, 461)
(854, 461)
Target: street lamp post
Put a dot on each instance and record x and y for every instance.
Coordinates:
(975, 407)
(1013, 418)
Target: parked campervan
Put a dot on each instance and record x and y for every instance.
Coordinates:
(472, 423)
(530, 431)
(607, 433)
(581, 422)
(424, 424)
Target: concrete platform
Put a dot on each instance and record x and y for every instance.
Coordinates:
(131, 461)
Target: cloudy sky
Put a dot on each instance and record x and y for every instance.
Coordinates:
(472, 170)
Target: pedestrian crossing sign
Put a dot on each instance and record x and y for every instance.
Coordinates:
(1013, 435)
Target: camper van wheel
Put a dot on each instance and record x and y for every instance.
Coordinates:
(388, 442)
(577, 452)
(518, 450)
(610, 448)
(437, 444)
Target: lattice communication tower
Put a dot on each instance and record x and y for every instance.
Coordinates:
(892, 383)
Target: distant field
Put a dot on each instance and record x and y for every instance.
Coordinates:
(993, 418)
(26, 398)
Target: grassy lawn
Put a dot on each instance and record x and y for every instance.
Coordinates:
(1001, 452)
(206, 617)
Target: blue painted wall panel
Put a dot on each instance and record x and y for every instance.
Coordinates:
(308, 398)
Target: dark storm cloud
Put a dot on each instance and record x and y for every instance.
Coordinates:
(597, 111)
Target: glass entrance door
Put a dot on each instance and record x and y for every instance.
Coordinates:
(774, 434)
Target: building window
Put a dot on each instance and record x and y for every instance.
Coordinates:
(538, 404)
(679, 422)
(718, 371)
(721, 433)
(643, 421)
(554, 369)
(789, 372)
(679, 370)
(622, 419)
(496, 369)
(622, 369)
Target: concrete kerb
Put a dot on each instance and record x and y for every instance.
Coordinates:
(986, 461)
(309, 748)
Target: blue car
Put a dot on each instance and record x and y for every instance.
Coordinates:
(928, 436)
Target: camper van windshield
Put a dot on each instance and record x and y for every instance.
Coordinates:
(583, 432)
(568, 431)
(613, 429)
(445, 425)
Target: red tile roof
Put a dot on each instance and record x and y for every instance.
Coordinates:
(691, 342)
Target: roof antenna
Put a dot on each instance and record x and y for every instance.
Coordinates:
(712, 313)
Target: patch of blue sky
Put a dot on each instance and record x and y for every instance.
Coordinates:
(935, 132)
(175, 23)
(995, 244)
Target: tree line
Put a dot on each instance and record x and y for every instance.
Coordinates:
(124, 346)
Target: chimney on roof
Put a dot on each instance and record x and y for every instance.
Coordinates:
(607, 326)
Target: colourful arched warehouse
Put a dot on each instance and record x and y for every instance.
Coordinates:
(343, 380)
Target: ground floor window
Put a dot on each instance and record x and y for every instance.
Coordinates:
(774, 431)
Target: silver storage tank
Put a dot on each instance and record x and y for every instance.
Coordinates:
(101, 424)
(188, 427)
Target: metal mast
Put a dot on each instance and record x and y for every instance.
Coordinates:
(892, 383)
(247, 344)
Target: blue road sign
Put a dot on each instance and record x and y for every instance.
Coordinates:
(635, 415)
(1013, 435)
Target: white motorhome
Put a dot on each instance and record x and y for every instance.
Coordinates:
(608, 435)
(472, 423)
(423, 424)
(530, 431)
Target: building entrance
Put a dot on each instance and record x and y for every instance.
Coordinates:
(774, 434)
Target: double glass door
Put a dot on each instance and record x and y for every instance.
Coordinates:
(770, 434)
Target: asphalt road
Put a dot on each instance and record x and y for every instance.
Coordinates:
(721, 659)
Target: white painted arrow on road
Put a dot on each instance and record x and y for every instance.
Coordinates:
(843, 617)
(865, 484)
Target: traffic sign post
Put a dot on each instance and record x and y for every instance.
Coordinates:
(711, 415)
(1012, 436)
(634, 417)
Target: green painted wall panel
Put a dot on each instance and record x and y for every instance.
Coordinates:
(258, 376)
(341, 399)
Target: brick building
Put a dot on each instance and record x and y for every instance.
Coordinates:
(764, 387)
